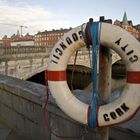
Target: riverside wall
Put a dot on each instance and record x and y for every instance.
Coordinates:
(21, 110)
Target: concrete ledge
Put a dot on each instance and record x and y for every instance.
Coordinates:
(21, 109)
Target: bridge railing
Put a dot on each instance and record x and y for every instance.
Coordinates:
(30, 51)
(22, 51)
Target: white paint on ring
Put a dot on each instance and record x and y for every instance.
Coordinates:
(75, 108)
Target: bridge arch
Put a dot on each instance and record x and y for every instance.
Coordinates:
(24, 62)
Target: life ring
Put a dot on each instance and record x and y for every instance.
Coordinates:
(118, 111)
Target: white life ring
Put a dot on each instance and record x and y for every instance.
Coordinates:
(116, 112)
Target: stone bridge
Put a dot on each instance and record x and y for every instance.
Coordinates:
(24, 62)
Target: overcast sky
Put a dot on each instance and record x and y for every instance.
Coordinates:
(40, 15)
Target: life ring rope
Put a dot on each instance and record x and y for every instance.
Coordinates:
(95, 39)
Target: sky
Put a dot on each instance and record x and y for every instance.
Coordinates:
(41, 15)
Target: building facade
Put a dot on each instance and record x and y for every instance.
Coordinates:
(17, 40)
(1, 43)
(49, 38)
(27, 40)
(128, 26)
(23, 43)
(6, 41)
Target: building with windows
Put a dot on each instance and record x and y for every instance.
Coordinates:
(23, 43)
(6, 41)
(1, 43)
(128, 26)
(17, 40)
(49, 38)
(27, 40)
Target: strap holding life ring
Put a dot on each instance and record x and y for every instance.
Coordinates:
(121, 42)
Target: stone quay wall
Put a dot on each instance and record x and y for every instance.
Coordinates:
(21, 110)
